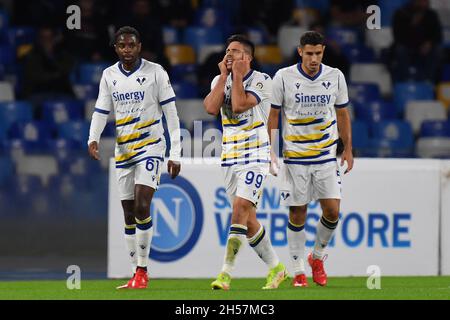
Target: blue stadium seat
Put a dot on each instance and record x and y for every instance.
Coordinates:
(392, 138)
(406, 91)
(343, 36)
(374, 111)
(21, 35)
(79, 164)
(16, 111)
(388, 8)
(363, 92)
(322, 5)
(77, 131)
(209, 17)
(65, 149)
(56, 112)
(198, 36)
(445, 75)
(185, 90)
(6, 170)
(170, 35)
(91, 73)
(7, 55)
(36, 133)
(358, 53)
(435, 128)
(257, 35)
(360, 137)
(183, 72)
(25, 185)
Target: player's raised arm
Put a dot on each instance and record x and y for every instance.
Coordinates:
(99, 118)
(214, 99)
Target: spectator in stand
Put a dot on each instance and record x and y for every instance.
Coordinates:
(417, 38)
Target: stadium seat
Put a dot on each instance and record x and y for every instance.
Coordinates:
(7, 55)
(392, 138)
(445, 75)
(36, 133)
(56, 112)
(388, 9)
(374, 111)
(85, 91)
(418, 111)
(80, 164)
(42, 165)
(358, 53)
(443, 93)
(6, 170)
(185, 90)
(16, 111)
(372, 73)
(199, 36)
(433, 147)
(435, 128)
(170, 35)
(360, 137)
(406, 91)
(257, 35)
(180, 54)
(207, 50)
(289, 39)
(6, 91)
(18, 36)
(379, 39)
(64, 149)
(77, 131)
(89, 107)
(91, 73)
(268, 54)
(190, 110)
(363, 92)
(209, 17)
(342, 35)
(322, 5)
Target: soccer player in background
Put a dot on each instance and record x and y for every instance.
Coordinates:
(242, 95)
(312, 98)
(139, 92)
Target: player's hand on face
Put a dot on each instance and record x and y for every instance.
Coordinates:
(241, 66)
(174, 168)
(93, 150)
(347, 155)
(223, 66)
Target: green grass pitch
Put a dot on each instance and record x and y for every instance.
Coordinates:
(351, 288)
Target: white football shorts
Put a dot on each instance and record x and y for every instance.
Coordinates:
(301, 184)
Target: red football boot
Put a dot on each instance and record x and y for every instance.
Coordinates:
(128, 284)
(140, 279)
(319, 275)
(300, 281)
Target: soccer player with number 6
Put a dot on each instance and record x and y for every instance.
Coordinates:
(242, 96)
(139, 92)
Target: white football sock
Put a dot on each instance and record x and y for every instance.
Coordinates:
(130, 240)
(260, 242)
(236, 237)
(325, 230)
(296, 240)
(144, 233)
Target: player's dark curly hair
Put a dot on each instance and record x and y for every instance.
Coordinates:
(126, 30)
(311, 37)
(244, 40)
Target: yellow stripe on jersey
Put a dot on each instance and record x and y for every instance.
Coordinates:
(324, 126)
(322, 145)
(303, 121)
(145, 143)
(305, 137)
(128, 137)
(235, 138)
(125, 121)
(126, 156)
(304, 154)
(233, 122)
(145, 124)
(232, 155)
(248, 145)
(253, 126)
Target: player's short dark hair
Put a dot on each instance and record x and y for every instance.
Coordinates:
(127, 30)
(244, 40)
(311, 37)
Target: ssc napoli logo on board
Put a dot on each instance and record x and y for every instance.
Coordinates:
(177, 214)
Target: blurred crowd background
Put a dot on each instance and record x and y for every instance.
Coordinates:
(53, 198)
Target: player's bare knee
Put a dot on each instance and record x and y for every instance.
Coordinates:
(297, 214)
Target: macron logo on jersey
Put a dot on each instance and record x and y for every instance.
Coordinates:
(318, 98)
(136, 95)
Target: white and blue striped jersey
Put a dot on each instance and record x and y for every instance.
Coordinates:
(245, 138)
(137, 98)
(307, 106)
